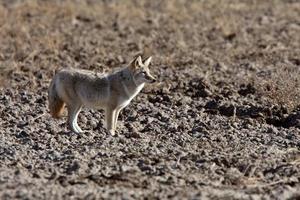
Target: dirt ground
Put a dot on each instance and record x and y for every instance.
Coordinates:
(222, 122)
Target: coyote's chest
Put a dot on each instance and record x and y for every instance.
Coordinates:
(130, 95)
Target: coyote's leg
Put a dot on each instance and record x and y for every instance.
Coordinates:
(110, 115)
(73, 112)
(116, 118)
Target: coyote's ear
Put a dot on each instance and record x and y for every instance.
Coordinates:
(147, 62)
(134, 64)
(138, 62)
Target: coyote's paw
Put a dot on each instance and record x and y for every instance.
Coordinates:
(112, 132)
(77, 132)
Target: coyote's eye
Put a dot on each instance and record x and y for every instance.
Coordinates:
(144, 73)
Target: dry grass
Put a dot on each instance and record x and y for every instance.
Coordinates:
(281, 87)
(36, 33)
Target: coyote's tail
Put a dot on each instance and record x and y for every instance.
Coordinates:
(56, 105)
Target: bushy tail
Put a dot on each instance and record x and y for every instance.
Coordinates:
(56, 105)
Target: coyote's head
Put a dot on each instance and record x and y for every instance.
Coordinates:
(140, 70)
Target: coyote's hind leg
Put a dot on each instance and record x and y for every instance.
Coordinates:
(117, 112)
(73, 112)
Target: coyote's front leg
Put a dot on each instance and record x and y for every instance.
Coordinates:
(110, 117)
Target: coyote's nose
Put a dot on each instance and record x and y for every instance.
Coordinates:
(151, 79)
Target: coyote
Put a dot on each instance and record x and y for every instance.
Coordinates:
(112, 92)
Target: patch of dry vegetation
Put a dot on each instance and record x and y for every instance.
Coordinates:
(51, 34)
(47, 34)
(281, 87)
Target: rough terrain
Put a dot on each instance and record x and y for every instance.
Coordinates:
(222, 122)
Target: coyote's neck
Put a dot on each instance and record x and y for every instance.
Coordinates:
(131, 94)
(131, 88)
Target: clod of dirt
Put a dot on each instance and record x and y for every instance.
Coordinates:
(73, 167)
(219, 66)
(246, 89)
(132, 131)
(229, 36)
(233, 176)
(227, 110)
(293, 120)
(22, 134)
(198, 88)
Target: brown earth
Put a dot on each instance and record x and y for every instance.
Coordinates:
(222, 122)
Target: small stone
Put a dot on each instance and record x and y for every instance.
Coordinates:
(22, 134)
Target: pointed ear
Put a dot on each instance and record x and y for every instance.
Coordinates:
(134, 64)
(138, 61)
(147, 62)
